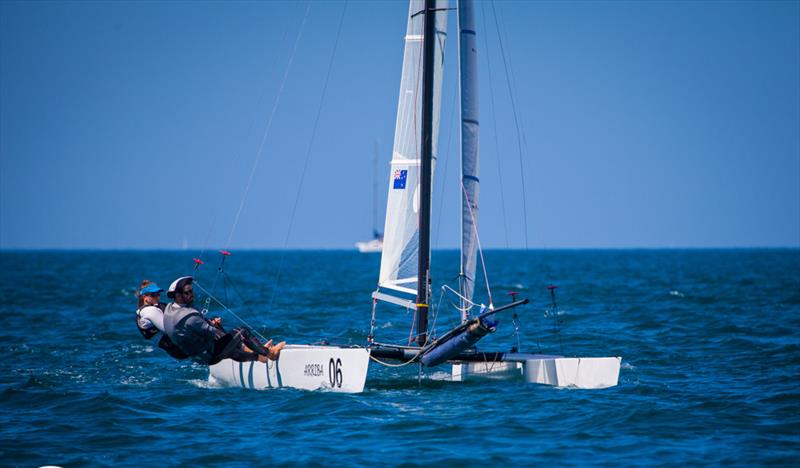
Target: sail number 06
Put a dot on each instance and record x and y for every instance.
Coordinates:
(335, 372)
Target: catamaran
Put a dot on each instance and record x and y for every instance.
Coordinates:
(404, 277)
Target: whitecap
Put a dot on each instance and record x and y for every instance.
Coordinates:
(439, 375)
(676, 293)
(210, 382)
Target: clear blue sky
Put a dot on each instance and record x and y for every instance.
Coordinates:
(646, 124)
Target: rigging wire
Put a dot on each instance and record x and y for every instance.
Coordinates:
(259, 155)
(308, 154)
(436, 314)
(394, 365)
(472, 304)
(413, 325)
(249, 130)
(446, 163)
(494, 123)
(228, 309)
(480, 249)
(269, 125)
(516, 123)
(208, 235)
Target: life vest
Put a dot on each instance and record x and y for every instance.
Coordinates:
(148, 332)
(188, 338)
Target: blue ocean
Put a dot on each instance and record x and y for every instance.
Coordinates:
(709, 339)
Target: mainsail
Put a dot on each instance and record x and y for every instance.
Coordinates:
(469, 149)
(399, 260)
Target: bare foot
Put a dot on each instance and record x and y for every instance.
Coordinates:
(261, 357)
(275, 351)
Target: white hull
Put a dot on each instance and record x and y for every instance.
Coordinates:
(373, 246)
(574, 372)
(559, 371)
(486, 370)
(299, 366)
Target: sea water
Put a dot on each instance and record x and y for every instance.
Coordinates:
(709, 339)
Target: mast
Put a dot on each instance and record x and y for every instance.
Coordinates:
(424, 258)
(468, 86)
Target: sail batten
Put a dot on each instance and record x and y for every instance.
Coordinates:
(400, 256)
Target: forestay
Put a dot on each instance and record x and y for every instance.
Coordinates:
(398, 274)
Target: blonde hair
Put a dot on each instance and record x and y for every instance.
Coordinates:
(139, 291)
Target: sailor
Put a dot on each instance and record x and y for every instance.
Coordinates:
(205, 341)
(150, 314)
(150, 318)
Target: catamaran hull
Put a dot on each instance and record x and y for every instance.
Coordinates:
(559, 371)
(487, 370)
(303, 367)
(587, 373)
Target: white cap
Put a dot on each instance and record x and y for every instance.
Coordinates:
(174, 286)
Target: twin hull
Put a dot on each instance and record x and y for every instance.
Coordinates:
(344, 370)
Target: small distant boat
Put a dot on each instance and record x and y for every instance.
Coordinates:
(376, 244)
(373, 246)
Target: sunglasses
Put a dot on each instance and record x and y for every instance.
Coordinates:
(155, 294)
(187, 293)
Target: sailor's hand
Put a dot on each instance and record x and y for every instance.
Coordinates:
(216, 321)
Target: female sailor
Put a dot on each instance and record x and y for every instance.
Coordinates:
(150, 314)
(150, 318)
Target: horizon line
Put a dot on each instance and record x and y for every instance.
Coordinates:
(353, 249)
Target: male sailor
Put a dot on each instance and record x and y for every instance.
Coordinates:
(205, 341)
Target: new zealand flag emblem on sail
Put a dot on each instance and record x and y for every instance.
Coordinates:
(400, 178)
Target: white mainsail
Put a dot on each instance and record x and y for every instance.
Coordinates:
(398, 272)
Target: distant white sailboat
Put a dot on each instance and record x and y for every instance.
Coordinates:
(376, 244)
(373, 246)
